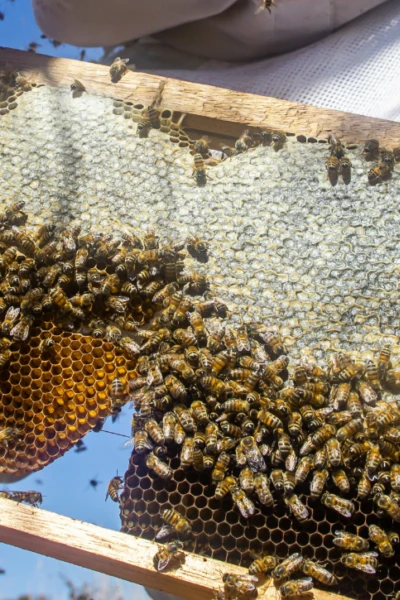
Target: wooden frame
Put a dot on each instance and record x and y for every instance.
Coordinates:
(222, 113)
(117, 554)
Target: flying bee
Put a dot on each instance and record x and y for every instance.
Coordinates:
(332, 165)
(262, 490)
(345, 169)
(342, 506)
(364, 561)
(297, 588)
(220, 467)
(296, 508)
(239, 585)
(9, 319)
(31, 497)
(387, 504)
(350, 541)
(199, 170)
(244, 504)
(263, 564)
(118, 68)
(180, 524)
(341, 480)
(160, 468)
(288, 566)
(371, 150)
(113, 488)
(381, 539)
(167, 553)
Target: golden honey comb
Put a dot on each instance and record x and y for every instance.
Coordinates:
(55, 399)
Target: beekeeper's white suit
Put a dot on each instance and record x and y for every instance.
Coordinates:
(300, 51)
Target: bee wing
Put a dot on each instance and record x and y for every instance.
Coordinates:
(340, 533)
(131, 346)
(366, 568)
(20, 331)
(164, 532)
(127, 445)
(344, 511)
(163, 563)
(12, 313)
(259, 9)
(248, 578)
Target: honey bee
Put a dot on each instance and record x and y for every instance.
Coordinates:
(77, 88)
(199, 170)
(364, 561)
(14, 209)
(304, 468)
(348, 430)
(319, 573)
(394, 537)
(262, 489)
(384, 361)
(198, 248)
(318, 483)
(244, 142)
(243, 503)
(9, 319)
(118, 68)
(382, 172)
(292, 563)
(197, 282)
(167, 553)
(371, 150)
(21, 330)
(342, 506)
(9, 435)
(387, 504)
(263, 564)
(187, 453)
(221, 465)
(296, 507)
(199, 412)
(185, 418)
(180, 524)
(239, 585)
(294, 424)
(160, 468)
(253, 455)
(297, 588)
(30, 497)
(213, 385)
(60, 300)
(350, 541)
(332, 165)
(395, 477)
(277, 480)
(211, 433)
(333, 452)
(381, 539)
(345, 169)
(114, 485)
(341, 480)
(24, 242)
(223, 487)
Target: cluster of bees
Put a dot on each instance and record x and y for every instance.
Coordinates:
(339, 164)
(224, 397)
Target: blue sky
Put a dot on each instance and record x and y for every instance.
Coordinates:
(19, 29)
(65, 482)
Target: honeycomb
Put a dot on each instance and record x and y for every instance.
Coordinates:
(318, 263)
(219, 531)
(55, 400)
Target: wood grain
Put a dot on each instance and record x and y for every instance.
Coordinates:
(116, 554)
(209, 109)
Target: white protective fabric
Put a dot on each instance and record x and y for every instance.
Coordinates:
(356, 69)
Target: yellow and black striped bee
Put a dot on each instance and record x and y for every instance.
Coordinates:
(317, 572)
(199, 170)
(345, 169)
(114, 486)
(167, 553)
(381, 539)
(263, 564)
(297, 588)
(350, 541)
(387, 504)
(292, 563)
(118, 68)
(239, 586)
(384, 361)
(175, 520)
(198, 248)
(363, 561)
(224, 487)
(341, 505)
(220, 467)
(30, 497)
(160, 468)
